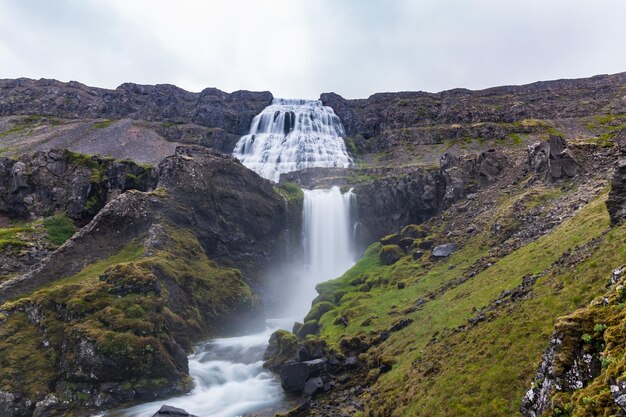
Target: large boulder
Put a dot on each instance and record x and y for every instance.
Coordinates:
(293, 377)
(390, 254)
(282, 348)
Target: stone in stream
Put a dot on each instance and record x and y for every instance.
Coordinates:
(169, 411)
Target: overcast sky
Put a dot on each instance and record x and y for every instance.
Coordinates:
(301, 48)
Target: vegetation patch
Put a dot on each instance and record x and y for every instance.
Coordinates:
(442, 365)
(59, 228)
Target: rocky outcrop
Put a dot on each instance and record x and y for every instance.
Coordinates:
(159, 277)
(580, 350)
(61, 181)
(213, 108)
(413, 195)
(383, 115)
(552, 158)
(616, 202)
(236, 215)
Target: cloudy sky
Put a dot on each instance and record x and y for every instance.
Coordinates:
(301, 48)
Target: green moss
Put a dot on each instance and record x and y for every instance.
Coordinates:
(59, 229)
(290, 191)
(103, 124)
(160, 192)
(16, 237)
(95, 164)
(286, 344)
(25, 363)
(319, 310)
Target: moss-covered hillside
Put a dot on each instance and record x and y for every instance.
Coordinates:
(108, 317)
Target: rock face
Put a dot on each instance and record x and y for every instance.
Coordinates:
(383, 114)
(231, 113)
(59, 180)
(236, 215)
(412, 195)
(616, 203)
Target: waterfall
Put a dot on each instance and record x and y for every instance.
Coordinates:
(290, 135)
(228, 373)
(327, 239)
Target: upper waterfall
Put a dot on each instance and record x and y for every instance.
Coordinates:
(290, 135)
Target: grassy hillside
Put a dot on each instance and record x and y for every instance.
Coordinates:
(477, 322)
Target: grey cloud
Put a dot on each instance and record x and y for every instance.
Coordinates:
(353, 47)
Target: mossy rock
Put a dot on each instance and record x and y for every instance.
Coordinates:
(309, 327)
(406, 242)
(282, 348)
(390, 254)
(393, 239)
(319, 310)
(413, 231)
(129, 278)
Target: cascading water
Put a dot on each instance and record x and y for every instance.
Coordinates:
(290, 135)
(327, 240)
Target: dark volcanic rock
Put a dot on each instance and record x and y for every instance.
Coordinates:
(169, 411)
(59, 180)
(616, 203)
(382, 114)
(553, 158)
(164, 103)
(238, 219)
(313, 386)
(236, 214)
(294, 376)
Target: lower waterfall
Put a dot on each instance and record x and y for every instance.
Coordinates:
(228, 373)
(327, 240)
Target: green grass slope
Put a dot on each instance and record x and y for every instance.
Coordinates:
(481, 318)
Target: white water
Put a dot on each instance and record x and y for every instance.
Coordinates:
(229, 379)
(228, 373)
(290, 135)
(327, 240)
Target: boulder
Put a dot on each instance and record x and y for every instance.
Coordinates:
(294, 376)
(281, 349)
(442, 251)
(169, 411)
(309, 327)
(390, 254)
(553, 158)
